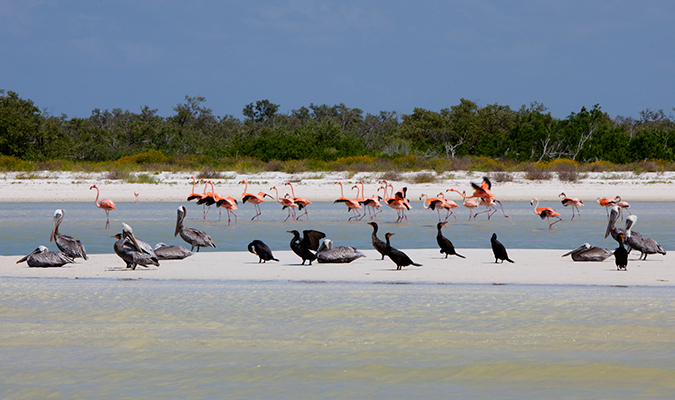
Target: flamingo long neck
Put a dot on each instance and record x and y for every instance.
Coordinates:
(357, 191)
(342, 193)
(292, 191)
(535, 206)
(277, 192)
(194, 182)
(245, 186)
(97, 194)
(206, 185)
(363, 190)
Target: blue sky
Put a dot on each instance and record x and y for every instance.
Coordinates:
(74, 56)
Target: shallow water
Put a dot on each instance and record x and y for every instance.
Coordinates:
(24, 226)
(142, 339)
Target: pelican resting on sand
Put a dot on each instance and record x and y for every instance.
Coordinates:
(133, 251)
(638, 242)
(261, 250)
(174, 252)
(586, 252)
(68, 245)
(341, 254)
(194, 237)
(43, 258)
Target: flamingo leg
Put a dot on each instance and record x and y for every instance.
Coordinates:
(107, 219)
(551, 224)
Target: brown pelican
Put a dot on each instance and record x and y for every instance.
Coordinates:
(378, 244)
(43, 258)
(586, 252)
(499, 250)
(397, 256)
(70, 246)
(444, 243)
(133, 251)
(612, 229)
(303, 247)
(638, 242)
(175, 252)
(260, 249)
(194, 237)
(341, 254)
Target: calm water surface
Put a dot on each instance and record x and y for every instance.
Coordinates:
(147, 340)
(24, 226)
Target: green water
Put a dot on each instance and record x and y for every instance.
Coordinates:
(147, 340)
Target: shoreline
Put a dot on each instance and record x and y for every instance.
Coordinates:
(531, 267)
(174, 187)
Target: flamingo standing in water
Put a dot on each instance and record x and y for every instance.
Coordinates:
(448, 205)
(373, 202)
(105, 204)
(545, 212)
(136, 196)
(399, 205)
(256, 199)
(300, 201)
(467, 201)
(623, 205)
(286, 202)
(606, 202)
(229, 203)
(351, 204)
(433, 203)
(575, 202)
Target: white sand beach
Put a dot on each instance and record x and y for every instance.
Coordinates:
(531, 266)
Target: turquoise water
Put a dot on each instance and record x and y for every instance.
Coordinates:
(147, 340)
(24, 226)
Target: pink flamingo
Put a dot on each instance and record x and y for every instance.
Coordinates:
(193, 195)
(256, 199)
(433, 203)
(351, 204)
(105, 204)
(448, 205)
(300, 201)
(373, 202)
(606, 202)
(286, 202)
(623, 205)
(136, 196)
(545, 212)
(399, 205)
(575, 202)
(467, 201)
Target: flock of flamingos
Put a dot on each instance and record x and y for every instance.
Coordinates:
(362, 206)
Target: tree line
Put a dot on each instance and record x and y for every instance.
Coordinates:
(324, 132)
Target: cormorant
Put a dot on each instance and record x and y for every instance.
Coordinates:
(499, 250)
(341, 254)
(194, 237)
(378, 244)
(397, 256)
(444, 243)
(68, 245)
(303, 247)
(586, 252)
(621, 254)
(174, 252)
(260, 249)
(43, 258)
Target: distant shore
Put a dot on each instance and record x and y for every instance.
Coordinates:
(175, 187)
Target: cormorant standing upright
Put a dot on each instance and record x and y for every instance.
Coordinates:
(444, 243)
(499, 250)
(397, 256)
(303, 247)
(378, 244)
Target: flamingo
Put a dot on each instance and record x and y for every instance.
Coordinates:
(214, 198)
(399, 205)
(351, 204)
(193, 195)
(286, 202)
(206, 198)
(372, 202)
(606, 202)
(433, 203)
(545, 212)
(300, 201)
(571, 201)
(448, 205)
(105, 204)
(482, 191)
(230, 203)
(467, 201)
(256, 199)
(136, 196)
(623, 205)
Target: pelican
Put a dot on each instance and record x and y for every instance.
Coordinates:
(303, 247)
(341, 254)
(586, 252)
(70, 246)
(194, 237)
(175, 252)
(638, 242)
(612, 229)
(43, 258)
(132, 250)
